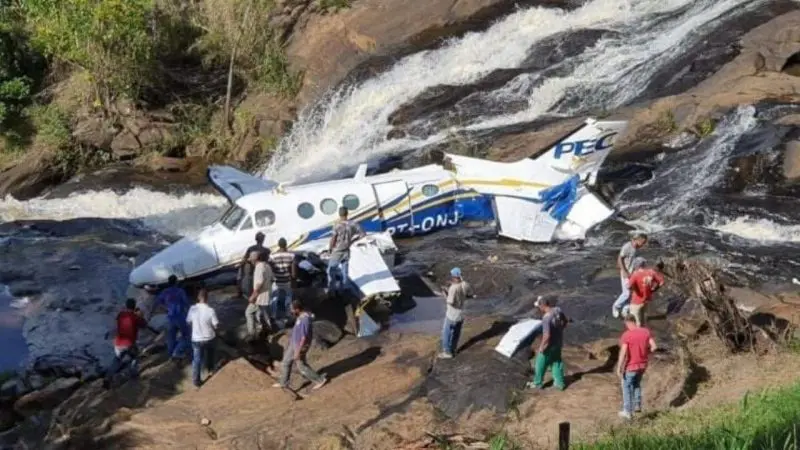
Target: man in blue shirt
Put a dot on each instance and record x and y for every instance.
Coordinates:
(176, 303)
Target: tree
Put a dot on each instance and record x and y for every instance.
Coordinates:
(110, 39)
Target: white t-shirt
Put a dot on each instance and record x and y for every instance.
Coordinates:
(203, 320)
(263, 275)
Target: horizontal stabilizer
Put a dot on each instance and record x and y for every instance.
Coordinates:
(516, 335)
(233, 183)
(367, 268)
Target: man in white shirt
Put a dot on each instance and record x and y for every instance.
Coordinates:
(260, 299)
(203, 320)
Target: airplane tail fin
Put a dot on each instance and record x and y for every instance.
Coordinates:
(580, 152)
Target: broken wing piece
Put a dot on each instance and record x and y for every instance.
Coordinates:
(233, 183)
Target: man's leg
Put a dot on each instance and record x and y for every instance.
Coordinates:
(539, 368)
(309, 373)
(197, 362)
(557, 365)
(116, 364)
(172, 332)
(456, 336)
(627, 395)
(133, 364)
(264, 314)
(637, 392)
(286, 366)
(185, 342)
(251, 317)
(209, 357)
(637, 311)
(447, 337)
(334, 272)
(623, 298)
(344, 267)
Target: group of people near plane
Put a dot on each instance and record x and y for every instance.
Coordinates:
(196, 325)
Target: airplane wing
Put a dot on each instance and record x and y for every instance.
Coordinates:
(233, 183)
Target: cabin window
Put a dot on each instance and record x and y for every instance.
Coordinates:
(265, 218)
(429, 190)
(248, 224)
(328, 206)
(305, 210)
(351, 202)
(232, 217)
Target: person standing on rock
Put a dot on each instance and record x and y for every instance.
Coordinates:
(344, 233)
(260, 298)
(296, 351)
(244, 276)
(636, 344)
(643, 283)
(204, 323)
(625, 265)
(548, 356)
(129, 321)
(285, 272)
(457, 293)
(174, 300)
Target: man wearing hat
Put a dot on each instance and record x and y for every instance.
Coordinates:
(244, 277)
(458, 291)
(549, 353)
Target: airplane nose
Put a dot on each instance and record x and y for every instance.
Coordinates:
(145, 274)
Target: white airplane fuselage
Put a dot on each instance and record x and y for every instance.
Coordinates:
(402, 203)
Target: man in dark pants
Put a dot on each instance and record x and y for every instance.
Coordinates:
(129, 321)
(295, 353)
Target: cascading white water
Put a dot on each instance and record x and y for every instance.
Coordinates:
(351, 128)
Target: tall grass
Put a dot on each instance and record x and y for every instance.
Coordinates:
(769, 420)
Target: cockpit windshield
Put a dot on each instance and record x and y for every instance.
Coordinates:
(232, 217)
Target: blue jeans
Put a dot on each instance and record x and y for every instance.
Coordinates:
(625, 297)
(124, 356)
(175, 347)
(338, 275)
(281, 300)
(202, 352)
(632, 392)
(451, 332)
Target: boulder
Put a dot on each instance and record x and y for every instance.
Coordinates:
(48, 397)
(125, 145)
(30, 176)
(93, 132)
(791, 160)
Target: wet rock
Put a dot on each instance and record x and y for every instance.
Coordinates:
(10, 388)
(36, 382)
(7, 417)
(29, 177)
(49, 397)
(24, 288)
(791, 160)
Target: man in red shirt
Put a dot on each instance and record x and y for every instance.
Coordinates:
(636, 345)
(643, 283)
(129, 322)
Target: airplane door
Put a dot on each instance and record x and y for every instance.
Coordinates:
(394, 207)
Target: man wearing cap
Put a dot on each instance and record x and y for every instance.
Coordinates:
(244, 277)
(625, 265)
(643, 283)
(458, 291)
(549, 353)
(342, 237)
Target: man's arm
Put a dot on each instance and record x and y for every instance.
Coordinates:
(298, 351)
(359, 232)
(621, 261)
(332, 242)
(623, 356)
(214, 320)
(545, 341)
(653, 346)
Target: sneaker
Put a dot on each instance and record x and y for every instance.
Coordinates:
(532, 385)
(320, 384)
(278, 385)
(625, 415)
(445, 355)
(615, 312)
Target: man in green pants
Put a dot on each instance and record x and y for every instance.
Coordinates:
(549, 354)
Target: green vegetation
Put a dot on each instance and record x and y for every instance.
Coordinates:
(704, 127)
(767, 421)
(666, 122)
(334, 5)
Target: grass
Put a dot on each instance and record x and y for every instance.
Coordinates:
(704, 127)
(334, 5)
(765, 421)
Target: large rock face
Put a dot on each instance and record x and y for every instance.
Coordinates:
(329, 47)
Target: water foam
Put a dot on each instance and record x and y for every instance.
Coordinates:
(166, 213)
(759, 230)
(351, 126)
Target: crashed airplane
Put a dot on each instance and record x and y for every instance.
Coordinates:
(536, 199)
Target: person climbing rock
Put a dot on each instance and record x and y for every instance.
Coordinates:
(344, 233)
(297, 349)
(204, 323)
(548, 355)
(643, 283)
(244, 276)
(457, 293)
(174, 300)
(128, 323)
(625, 265)
(636, 344)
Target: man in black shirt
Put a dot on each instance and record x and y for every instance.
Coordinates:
(244, 277)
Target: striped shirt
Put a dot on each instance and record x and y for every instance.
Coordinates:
(282, 267)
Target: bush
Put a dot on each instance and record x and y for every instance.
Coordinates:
(110, 39)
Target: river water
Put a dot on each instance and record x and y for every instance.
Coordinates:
(65, 257)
